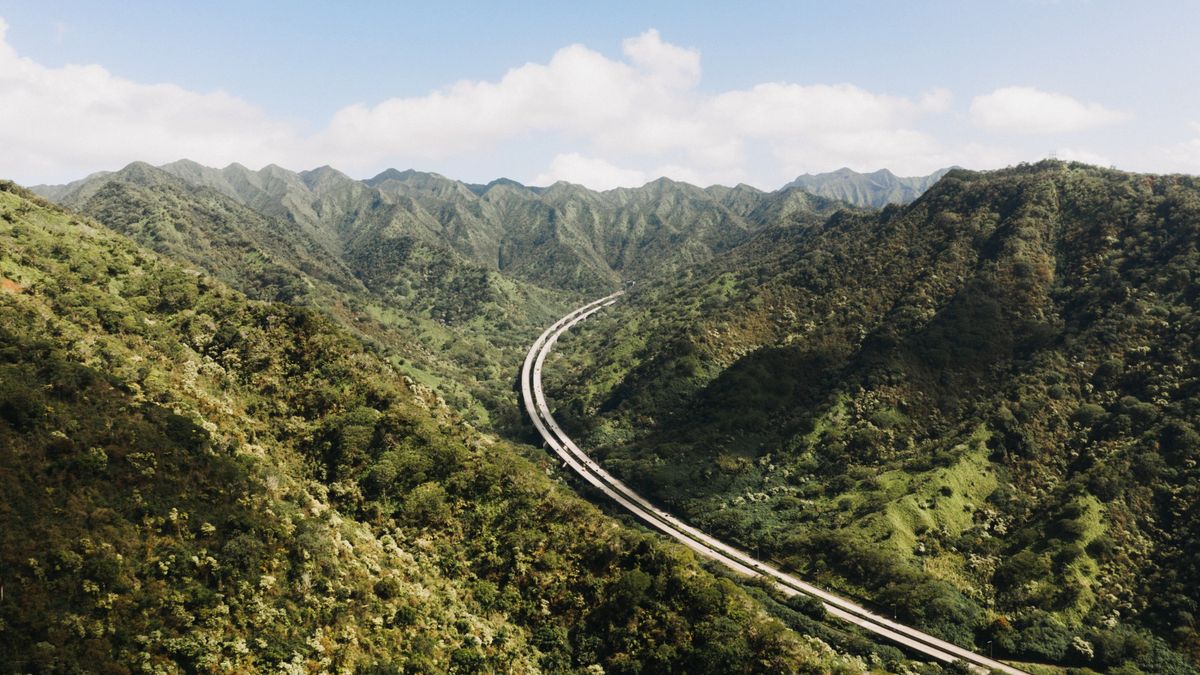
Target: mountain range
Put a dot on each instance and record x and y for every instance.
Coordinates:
(562, 236)
(449, 278)
(197, 481)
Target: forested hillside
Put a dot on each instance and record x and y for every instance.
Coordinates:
(453, 324)
(451, 281)
(978, 411)
(197, 481)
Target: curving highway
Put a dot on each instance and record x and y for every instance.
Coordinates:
(539, 412)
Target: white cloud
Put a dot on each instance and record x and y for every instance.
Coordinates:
(577, 91)
(667, 64)
(600, 121)
(642, 106)
(600, 174)
(64, 122)
(937, 100)
(906, 152)
(595, 173)
(788, 110)
(1082, 155)
(1032, 111)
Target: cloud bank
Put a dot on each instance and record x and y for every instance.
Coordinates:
(644, 109)
(55, 120)
(1025, 110)
(597, 120)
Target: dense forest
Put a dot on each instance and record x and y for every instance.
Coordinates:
(196, 481)
(265, 420)
(978, 412)
(451, 323)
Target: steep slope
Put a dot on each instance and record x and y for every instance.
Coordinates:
(446, 209)
(262, 256)
(979, 410)
(272, 191)
(594, 239)
(566, 236)
(875, 190)
(196, 481)
(455, 324)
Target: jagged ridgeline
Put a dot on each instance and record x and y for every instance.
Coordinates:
(979, 411)
(561, 237)
(197, 481)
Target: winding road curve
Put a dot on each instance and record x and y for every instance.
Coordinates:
(539, 412)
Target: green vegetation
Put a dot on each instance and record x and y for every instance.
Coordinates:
(450, 281)
(197, 481)
(241, 416)
(453, 324)
(978, 412)
(562, 237)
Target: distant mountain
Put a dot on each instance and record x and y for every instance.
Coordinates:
(454, 279)
(875, 190)
(568, 236)
(564, 236)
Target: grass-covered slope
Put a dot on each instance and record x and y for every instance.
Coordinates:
(194, 481)
(980, 411)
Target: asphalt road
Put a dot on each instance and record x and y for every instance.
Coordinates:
(556, 439)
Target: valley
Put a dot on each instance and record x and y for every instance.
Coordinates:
(195, 479)
(972, 412)
(774, 338)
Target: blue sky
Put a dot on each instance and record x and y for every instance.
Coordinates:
(603, 93)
